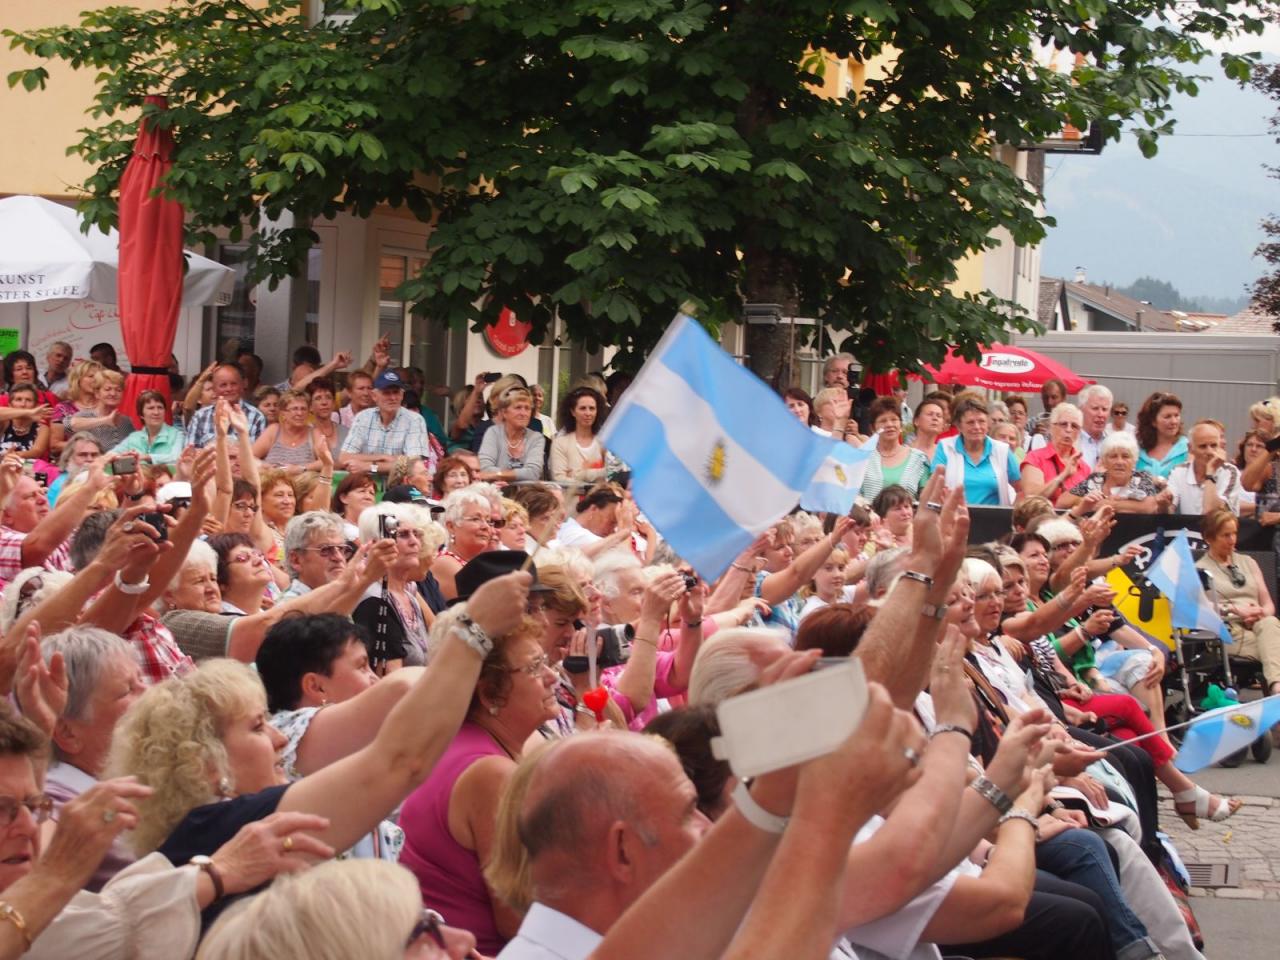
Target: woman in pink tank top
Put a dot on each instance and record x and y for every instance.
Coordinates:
(448, 821)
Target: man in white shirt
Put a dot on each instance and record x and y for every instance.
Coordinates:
(1095, 404)
(596, 517)
(1208, 481)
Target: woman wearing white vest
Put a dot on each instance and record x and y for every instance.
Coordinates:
(985, 467)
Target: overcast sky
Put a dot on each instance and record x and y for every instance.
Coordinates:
(1190, 215)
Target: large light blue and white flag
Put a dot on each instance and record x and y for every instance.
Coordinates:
(716, 458)
(838, 480)
(1175, 575)
(1220, 733)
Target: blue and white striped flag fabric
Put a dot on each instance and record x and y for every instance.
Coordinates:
(716, 458)
(1220, 733)
(1175, 575)
(839, 479)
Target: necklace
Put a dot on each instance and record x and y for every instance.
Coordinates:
(501, 746)
(515, 447)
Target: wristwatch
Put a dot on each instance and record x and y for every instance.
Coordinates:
(473, 635)
(753, 813)
(992, 794)
(208, 866)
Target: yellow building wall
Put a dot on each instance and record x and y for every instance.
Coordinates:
(40, 125)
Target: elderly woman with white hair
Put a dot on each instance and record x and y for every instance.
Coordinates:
(1059, 465)
(309, 915)
(391, 610)
(470, 517)
(1117, 482)
(103, 681)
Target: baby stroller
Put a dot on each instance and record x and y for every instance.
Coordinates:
(1200, 659)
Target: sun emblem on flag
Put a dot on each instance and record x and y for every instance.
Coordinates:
(715, 462)
(840, 475)
(1242, 720)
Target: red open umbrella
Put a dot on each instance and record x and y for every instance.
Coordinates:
(1006, 368)
(151, 265)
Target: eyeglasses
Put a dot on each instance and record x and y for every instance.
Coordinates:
(245, 506)
(39, 806)
(333, 550)
(487, 521)
(428, 925)
(254, 557)
(534, 667)
(408, 533)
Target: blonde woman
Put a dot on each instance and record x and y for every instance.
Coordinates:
(105, 421)
(82, 396)
(511, 451)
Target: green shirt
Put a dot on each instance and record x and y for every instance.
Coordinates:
(165, 448)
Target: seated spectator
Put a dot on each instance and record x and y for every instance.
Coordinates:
(251, 366)
(324, 414)
(106, 422)
(545, 425)
(359, 396)
(828, 584)
(279, 503)
(228, 386)
(82, 397)
(267, 399)
(57, 365)
(309, 915)
(392, 612)
(379, 435)
(1162, 445)
(103, 681)
(1242, 595)
(1116, 483)
(800, 403)
(470, 519)
(1265, 415)
(203, 744)
(290, 443)
(157, 441)
(453, 473)
(20, 367)
(1017, 406)
(1119, 422)
(986, 468)
(316, 551)
(355, 493)
(512, 535)
(448, 821)
(892, 463)
(577, 458)
(601, 520)
(25, 436)
(243, 573)
(512, 451)
(895, 507)
(544, 505)
(1059, 465)
(1208, 481)
(833, 408)
(1252, 446)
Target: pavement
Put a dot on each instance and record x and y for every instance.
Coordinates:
(1241, 923)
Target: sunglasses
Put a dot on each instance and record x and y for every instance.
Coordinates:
(334, 550)
(1237, 576)
(428, 925)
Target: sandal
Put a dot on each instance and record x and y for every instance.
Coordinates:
(1200, 800)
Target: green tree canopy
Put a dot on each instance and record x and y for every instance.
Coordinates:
(614, 159)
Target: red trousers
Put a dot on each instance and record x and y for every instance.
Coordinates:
(1125, 719)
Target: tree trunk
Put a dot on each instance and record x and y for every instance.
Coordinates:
(770, 347)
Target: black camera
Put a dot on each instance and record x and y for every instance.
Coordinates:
(690, 581)
(156, 521)
(615, 644)
(387, 526)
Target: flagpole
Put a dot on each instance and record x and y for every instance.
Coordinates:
(1179, 726)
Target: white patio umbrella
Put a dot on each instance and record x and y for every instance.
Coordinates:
(44, 256)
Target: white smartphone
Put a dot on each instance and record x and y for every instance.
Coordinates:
(791, 722)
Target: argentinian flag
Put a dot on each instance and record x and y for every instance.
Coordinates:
(716, 458)
(1175, 575)
(837, 482)
(1220, 733)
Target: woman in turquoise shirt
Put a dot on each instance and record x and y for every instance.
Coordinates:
(157, 439)
(1162, 445)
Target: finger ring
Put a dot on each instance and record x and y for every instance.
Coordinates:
(934, 506)
(108, 816)
(128, 527)
(913, 758)
(288, 844)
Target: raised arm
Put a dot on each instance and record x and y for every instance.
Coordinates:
(637, 677)
(777, 587)
(356, 792)
(898, 647)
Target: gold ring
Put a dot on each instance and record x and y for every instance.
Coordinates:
(288, 844)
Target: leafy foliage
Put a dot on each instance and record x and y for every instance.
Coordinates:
(614, 159)
(1266, 289)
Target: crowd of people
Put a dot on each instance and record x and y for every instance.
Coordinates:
(302, 670)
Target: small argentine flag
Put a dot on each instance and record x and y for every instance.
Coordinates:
(1220, 733)
(839, 479)
(1175, 575)
(716, 458)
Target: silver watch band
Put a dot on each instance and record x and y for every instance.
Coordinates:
(473, 635)
(992, 794)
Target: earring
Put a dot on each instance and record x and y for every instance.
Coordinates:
(224, 786)
(493, 711)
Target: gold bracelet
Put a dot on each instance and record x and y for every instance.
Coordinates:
(8, 912)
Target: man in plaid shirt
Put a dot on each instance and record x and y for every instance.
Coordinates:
(382, 433)
(228, 384)
(32, 535)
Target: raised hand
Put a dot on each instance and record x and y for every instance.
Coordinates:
(269, 847)
(42, 688)
(498, 606)
(948, 685)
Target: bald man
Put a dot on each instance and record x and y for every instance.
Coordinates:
(1208, 481)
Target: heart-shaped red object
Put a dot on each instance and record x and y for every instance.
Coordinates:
(595, 701)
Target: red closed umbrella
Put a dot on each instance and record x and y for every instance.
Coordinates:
(151, 264)
(1007, 368)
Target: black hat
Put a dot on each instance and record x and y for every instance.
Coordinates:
(490, 565)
